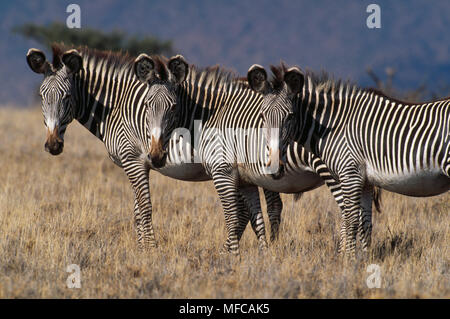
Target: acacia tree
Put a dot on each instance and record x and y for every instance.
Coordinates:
(96, 39)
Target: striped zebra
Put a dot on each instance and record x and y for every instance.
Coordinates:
(229, 137)
(99, 90)
(365, 138)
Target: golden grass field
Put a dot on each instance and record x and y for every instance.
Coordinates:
(76, 208)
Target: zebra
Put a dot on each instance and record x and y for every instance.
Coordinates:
(365, 138)
(99, 90)
(237, 162)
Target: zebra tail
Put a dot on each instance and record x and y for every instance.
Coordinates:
(297, 196)
(377, 198)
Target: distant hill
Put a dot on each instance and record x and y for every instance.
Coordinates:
(331, 35)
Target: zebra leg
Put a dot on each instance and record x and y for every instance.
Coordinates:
(137, 224)
(352, 185)
(365, 215)
(244, 218)
(336, 190)
(251, 197)
(138, 174)
(225, 182)
(365, 218)
(274, 209)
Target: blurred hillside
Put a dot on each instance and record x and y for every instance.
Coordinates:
(414, 38)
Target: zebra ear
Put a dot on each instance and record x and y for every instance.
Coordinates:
(178, 67)
(72, 60)
(257, 78)
(294, 79)
(143, 67)
(36, 61)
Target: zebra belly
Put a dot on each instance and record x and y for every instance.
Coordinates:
(291, 182)
(186, 172)
(417, 184)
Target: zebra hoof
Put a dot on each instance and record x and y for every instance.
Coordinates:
(226, 250)
(274, 233)
(263, 247)
(147, 246)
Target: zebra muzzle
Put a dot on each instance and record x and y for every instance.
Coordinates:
(272, 161)
(54, 143)
(157, 153)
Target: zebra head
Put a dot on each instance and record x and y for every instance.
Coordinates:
(163, 81)
(56, 93)
(277, 107)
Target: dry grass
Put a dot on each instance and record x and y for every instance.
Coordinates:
(77, 208)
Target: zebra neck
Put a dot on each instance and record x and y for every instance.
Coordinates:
(99, 87)
(90, 110)
(322, 110)
(205, 92)
(198, 103)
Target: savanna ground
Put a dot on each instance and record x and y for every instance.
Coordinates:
(76, 208)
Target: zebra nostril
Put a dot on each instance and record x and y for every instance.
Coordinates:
(54, 147)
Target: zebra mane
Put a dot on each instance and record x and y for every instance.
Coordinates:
(379, 92)
(277, 79)
(57, 52)
(120, 62)
(324, 83)
(216, 77)
(318, 82)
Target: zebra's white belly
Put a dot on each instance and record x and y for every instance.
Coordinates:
(418, 184)
(290, 182)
